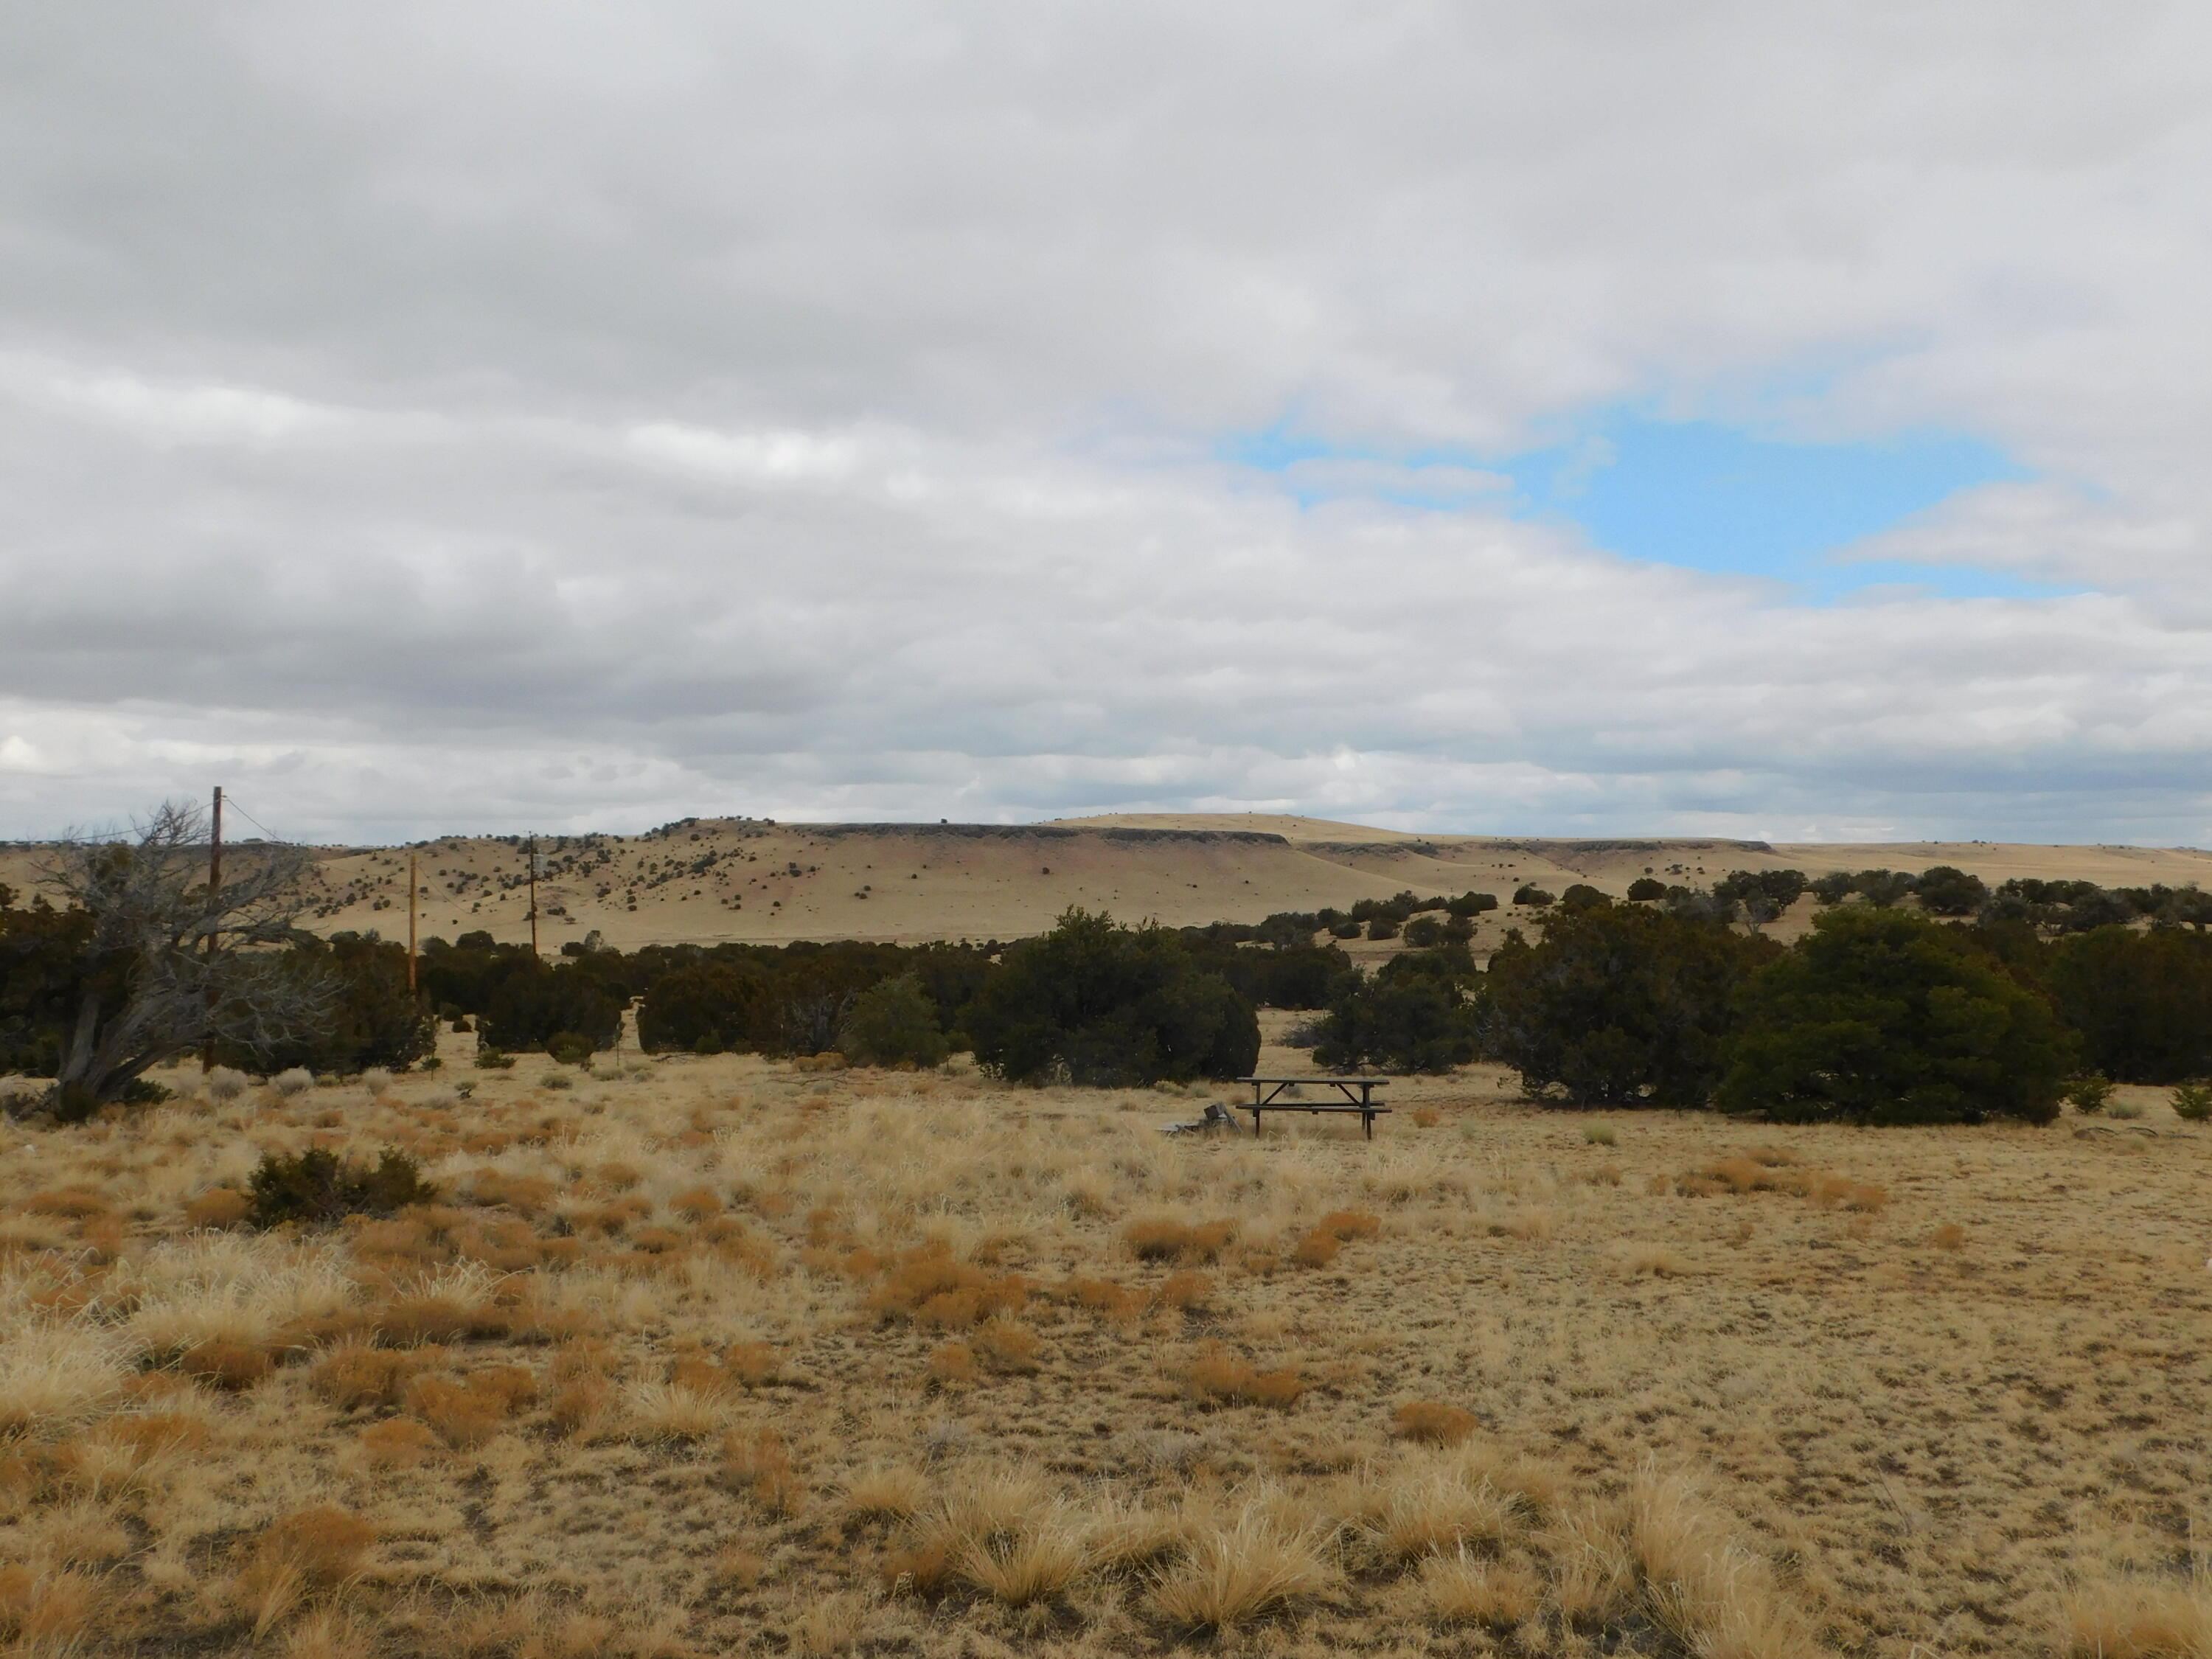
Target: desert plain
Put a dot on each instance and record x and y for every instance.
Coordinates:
(706, 1354)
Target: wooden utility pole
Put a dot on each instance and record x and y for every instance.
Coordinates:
(533, 895)
(214, 898)
(410, 919)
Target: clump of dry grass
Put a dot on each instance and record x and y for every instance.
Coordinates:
(218, 1207)
(1466, 1589)
(886, 1493)
(1006, 1345)
(48, 1611)
(311, 1550)
(1218, 1376)
(1429, 1507)
(355, 1376)
(470, 1410)
(1698, 1582)
(1186, 1290)
(1432, 1423)
(929, 1287)
(1234, 1571)
(952, 1364)
(757, 1463)
(1164, 1238)
(1107, 1298)
(397, 1443)
(1772, 1169)
(2119, 1618)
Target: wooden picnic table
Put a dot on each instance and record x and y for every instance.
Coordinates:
(1267, 1091)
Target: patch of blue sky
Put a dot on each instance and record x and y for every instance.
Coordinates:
(1703, 495)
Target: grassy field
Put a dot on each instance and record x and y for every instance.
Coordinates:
(721, 1355)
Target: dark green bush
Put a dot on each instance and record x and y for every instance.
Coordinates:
(1761, 894)
(1944, 889)
(1643, 890)
(893, 1022)
(1883, 1017)
(1619, 1007)
(1400, 1020)
(2142, 1001)
(1382, 927)
(318, 1187)
(1531, 894)
(539, 1004)
(1106, 1005)
(1472, 904)
(706, 1007)
(570, 1048)
(1583, 896)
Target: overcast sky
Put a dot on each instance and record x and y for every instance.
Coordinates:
(1780, 420)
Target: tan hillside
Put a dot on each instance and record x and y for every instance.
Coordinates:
(714, 879)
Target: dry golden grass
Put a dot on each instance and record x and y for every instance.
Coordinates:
(733, 1357)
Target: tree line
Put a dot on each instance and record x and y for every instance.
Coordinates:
(1969, 1003)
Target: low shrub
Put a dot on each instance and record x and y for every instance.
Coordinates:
(2192, 1102)
(570, 1048)
(2089, 1094)
(319, 1187)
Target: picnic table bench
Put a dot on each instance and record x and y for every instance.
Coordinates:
(1266, 1091)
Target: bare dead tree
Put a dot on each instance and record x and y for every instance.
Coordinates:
(172, 964)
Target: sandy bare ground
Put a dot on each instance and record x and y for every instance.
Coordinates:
(719, 1355)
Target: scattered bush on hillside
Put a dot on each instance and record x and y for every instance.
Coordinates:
(318, 1187)
(1382, 927)
(1761, 894)
(1882, 1017)
(1472, 904)
(1426, 932)
(1944, 889)
(1583, 896)
(1645, 889)
(1619, 1006)
(1106, 1005)
(2192, 1102)
(1531, 894)
(894, 1023)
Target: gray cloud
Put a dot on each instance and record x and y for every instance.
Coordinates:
(424, 417)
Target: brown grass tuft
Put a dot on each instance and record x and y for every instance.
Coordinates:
(355, 1376)
(1432, 1423)
(1163, 1238)
(50, 1612)
(758, 1463)
(2118, 1620)
(222, 1363)
(1218, 1376)
(398, 1442)
(221, 1207)
(312, 1550)
(1186, 1290)
(1006, 1345)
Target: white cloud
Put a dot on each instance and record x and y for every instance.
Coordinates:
(815, 410)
